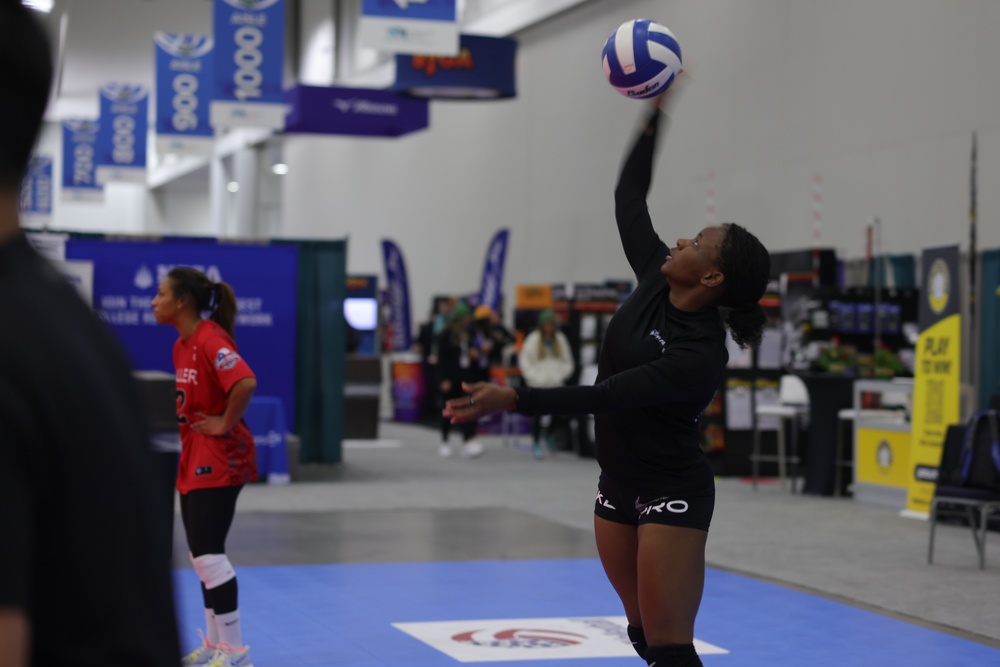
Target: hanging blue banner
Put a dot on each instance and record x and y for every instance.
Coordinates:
(409, 26)
(248, 65)
(399, 295)
(36, 191)
(127, 273)
(483, 69)
(79, 163)
(491, 291)
(183, 87)
(353, 111)
(121, 139)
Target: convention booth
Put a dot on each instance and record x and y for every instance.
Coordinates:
(286, 329)
(888, 368)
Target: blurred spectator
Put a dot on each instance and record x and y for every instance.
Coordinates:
(545, 361)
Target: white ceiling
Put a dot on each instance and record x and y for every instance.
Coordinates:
(112, 40)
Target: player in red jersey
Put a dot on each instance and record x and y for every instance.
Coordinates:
(214, 388)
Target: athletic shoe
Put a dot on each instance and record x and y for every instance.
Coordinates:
(227, 656)
(472, 449)
(201, 655)
(444, 451)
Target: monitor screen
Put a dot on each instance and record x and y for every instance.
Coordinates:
(362, 314)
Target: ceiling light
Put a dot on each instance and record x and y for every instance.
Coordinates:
(39, 5)
(280, 169)
(233, 186)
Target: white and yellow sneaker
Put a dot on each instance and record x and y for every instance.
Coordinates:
(227, 656)
(201, 655)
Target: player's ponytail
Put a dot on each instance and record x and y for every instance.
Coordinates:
(224, 310)
(205, 295)
(746, 265)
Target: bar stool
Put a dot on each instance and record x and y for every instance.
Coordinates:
(792, 407)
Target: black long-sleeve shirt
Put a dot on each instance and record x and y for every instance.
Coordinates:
(659, 366)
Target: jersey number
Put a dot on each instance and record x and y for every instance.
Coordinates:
(181, 398)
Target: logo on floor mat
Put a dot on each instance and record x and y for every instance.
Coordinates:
(513, 639)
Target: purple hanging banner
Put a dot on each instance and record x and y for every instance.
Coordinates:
(353, 111)
(483, 69)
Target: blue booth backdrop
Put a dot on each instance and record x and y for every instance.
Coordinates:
(126, 275)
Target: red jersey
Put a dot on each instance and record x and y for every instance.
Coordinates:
(208, 365)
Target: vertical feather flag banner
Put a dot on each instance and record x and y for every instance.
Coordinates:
(399, 296)
(491, 289)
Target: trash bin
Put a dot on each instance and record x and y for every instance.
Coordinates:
(362, 387)
(408, 388)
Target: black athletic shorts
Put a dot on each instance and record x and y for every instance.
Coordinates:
(691, 508)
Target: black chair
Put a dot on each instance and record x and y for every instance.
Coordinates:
(969, 478)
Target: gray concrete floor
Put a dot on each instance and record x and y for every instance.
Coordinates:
(394, 499)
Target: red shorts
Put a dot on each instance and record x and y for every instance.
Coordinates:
(210, 461)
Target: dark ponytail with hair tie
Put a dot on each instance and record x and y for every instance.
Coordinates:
(746, 265)
(206, 295)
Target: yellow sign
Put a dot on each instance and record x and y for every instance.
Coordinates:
(936, 403)
(882, 457)
(533, 297)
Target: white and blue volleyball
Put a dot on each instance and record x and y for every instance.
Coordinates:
(641, 59)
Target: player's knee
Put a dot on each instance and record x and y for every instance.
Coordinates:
(213, 569)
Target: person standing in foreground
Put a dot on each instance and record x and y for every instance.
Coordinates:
(662, 360)
(84, 579)
(214, 388)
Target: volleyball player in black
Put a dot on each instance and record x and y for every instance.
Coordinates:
(662, 360)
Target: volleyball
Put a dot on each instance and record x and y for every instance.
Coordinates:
(641, 59)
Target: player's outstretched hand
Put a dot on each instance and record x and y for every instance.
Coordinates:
(668, 99)
(484, 398)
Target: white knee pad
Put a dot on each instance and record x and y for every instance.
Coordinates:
(213, 569)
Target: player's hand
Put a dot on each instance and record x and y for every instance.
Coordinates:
(666, 101)
(484, 398)
(209, 424)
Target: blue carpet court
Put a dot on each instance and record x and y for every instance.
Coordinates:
(541, 613)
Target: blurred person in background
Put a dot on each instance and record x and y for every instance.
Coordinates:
(459, 360)
(545, 361)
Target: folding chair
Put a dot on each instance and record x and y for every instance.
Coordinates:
(969, 478)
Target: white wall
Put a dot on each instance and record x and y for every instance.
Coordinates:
(181, 207)
(878, 97)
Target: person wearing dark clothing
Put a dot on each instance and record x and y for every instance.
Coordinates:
(84, 575)
(494, 336)
(662, 360)
(459, 361)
